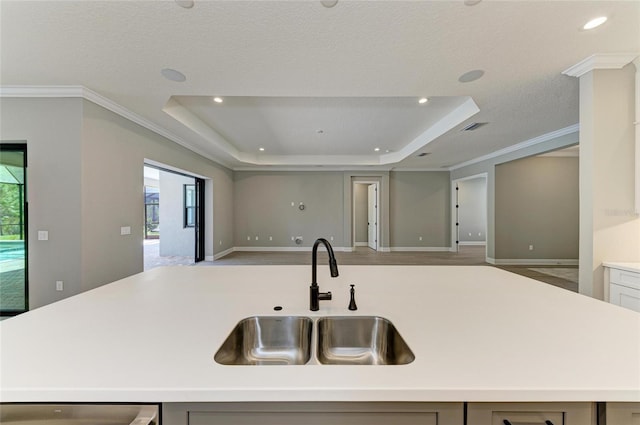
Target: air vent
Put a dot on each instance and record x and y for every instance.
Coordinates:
(474, 126)
(423, 154)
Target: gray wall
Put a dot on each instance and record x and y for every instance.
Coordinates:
(114, 152)
(413, 204)
(175, 239)
(537, 204)
(419, 207)
(262, 205)
(361, 205)
(488, 166)
(52, 130)
(472, 211)
(85, 181)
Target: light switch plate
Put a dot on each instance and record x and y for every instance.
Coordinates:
(125, 230)
(43, 235)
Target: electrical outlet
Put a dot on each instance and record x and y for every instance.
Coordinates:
(419, 238)
(59, 285)
(43, 235)
(256, 238)
(530, 247)
(331, 238)
(248, 238)
(220, 242)
(270, 238)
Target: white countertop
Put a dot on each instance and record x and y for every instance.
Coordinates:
(478, 334)
(630, 267)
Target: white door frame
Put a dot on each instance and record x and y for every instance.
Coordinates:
(353, 211)
(372, 244)
(454, 228)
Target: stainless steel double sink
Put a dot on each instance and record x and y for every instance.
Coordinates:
(298, 340)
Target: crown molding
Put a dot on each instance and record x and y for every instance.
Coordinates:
(600, 61)
(93, 97)
(527, 143)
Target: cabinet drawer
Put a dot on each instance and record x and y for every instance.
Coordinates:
(531, 413)
(310, 413)
(623, 414)
(625, 278)
(624, 296)
(313, 418)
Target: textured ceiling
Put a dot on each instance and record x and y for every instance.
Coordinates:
(289, 49)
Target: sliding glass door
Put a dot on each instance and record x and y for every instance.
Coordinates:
(13, 229)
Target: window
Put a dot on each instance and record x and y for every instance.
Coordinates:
(189, 205)
(151, 212)
(13, 229)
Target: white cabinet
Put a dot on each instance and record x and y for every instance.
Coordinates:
(531, 413)
(624, 285)
(313, 413)
(623, 414)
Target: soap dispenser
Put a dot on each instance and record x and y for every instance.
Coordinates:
(352, 302)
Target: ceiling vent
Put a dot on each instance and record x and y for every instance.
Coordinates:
(474, 126)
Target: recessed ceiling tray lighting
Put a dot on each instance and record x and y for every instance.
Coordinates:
(596, 22)
(217, 99)
(173, 75)
(470, 76)
(261, 149)
(423, 100)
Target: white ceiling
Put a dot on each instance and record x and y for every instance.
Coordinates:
(287, 69)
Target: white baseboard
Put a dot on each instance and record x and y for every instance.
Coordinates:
(209, 257)
(472, 243)
(532, 262)
(362, 243)
(285, 248)
(420, 249)
(221, 254)
(384, 249)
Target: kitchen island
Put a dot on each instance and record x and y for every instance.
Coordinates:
(479, 334)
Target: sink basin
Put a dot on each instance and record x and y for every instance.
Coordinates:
(363, 340)
(263, 340)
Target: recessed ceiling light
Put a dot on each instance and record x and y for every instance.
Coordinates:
(261, 149)
(187, 4)
(329, 3)
(217, 99)
(423, 100)
(470, 76)
(596, 22)
(173, 75)
(377, 149)
(320, 131)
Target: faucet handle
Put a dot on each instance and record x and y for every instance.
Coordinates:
(324, 296)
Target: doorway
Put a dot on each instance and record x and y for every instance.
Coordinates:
(174, 218)
(469, 209)
(366, 214)
(13, 229)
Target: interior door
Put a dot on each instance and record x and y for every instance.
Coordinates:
(199, 222)
(372, 216)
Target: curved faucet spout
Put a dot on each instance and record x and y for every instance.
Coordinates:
(315, 294)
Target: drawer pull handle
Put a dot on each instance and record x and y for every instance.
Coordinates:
(507, 422)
